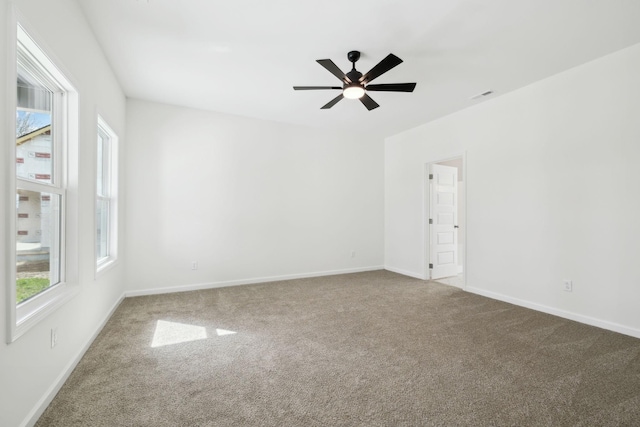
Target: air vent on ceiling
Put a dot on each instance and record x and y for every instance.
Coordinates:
(482, 95)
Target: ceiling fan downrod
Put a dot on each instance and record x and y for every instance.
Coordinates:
(354, 75)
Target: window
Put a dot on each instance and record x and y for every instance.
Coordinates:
(42, 145)
(106, 190)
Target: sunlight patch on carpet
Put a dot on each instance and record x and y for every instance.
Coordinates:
(168, 333)
(222, 332)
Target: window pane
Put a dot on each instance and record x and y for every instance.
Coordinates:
(34, 144)
(103, 172)
(102, 221)
(100, 165)
(37, 242)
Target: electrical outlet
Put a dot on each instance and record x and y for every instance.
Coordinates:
(194, 265)
(568, 285)
(54, 337)
(353, 254)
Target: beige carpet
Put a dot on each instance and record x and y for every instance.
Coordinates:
(366, 349)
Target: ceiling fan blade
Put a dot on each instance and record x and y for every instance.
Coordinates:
(393, 87)
(368, 102)
(333, 69)
(333, 102)
(382, 67)
(316, 87)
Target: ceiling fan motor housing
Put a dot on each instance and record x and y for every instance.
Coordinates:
(354, 76)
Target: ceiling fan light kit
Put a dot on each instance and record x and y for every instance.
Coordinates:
(355, 85)
(353, 92)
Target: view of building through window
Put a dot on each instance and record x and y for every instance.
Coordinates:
(37, 210)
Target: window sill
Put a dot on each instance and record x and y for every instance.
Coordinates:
(105, 266)
(41, 306)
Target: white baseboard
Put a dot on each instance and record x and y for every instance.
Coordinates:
(250, 281)
(405, 272)
(604, 324)
(48, 396)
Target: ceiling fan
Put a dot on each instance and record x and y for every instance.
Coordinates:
(355, 85)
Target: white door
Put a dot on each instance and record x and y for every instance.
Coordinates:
(443, 220)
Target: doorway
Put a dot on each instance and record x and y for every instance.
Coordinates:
(446, 221)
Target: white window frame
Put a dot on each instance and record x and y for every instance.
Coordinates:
(27, 314)
(110, 166)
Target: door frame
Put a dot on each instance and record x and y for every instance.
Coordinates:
(426, 197)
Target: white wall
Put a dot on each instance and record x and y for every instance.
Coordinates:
(29, 369)
(249, 200)
(552, 192)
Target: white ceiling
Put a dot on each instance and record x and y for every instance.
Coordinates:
(243, 56)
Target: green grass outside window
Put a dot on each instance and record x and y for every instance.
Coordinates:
(28, 287)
